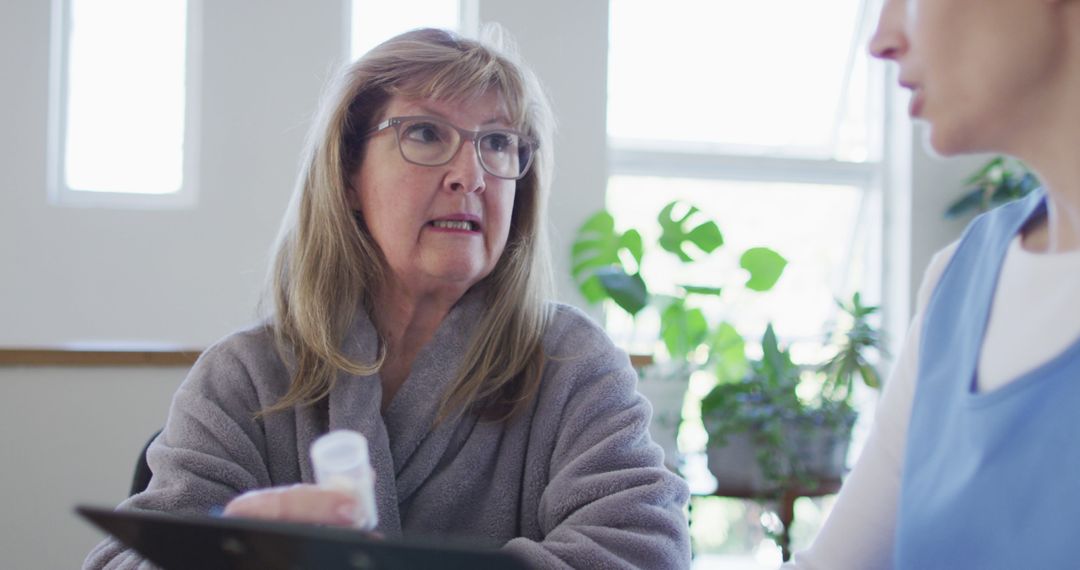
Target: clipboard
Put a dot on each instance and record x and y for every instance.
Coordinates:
(184, 542)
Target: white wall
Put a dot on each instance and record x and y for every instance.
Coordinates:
(184, 276)
(71, 435)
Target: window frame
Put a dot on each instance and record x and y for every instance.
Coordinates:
(59, 193)
(689, 160)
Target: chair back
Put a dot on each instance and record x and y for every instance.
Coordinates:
(141, 480)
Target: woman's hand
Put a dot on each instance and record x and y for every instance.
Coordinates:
(295, 503)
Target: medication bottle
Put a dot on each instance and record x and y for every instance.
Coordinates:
(340, 459)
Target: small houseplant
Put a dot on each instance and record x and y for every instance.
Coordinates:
(764, 436)
(607, 265)
(1002, 179)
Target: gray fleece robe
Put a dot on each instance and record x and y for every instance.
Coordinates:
(573, 482)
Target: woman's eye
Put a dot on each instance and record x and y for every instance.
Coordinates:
(498, 142)
(423, 132)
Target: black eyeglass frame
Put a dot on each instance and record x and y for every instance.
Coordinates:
(463, 135)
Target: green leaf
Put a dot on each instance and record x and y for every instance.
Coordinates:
(771, 356)
(970, 202)
(850, 358)
(722, 404)
(674, 233)
(696, 327)
(765, 267)
(706, 237)
(628, 291)
(776, 370)
(596, 244)
(593, 290)
(631, 242)
(597, 266)
(869, 375)
(700, 290)
(728, 350)
(682, 329)
(983, 173)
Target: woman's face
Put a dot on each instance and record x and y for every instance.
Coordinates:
(979, 71)
(442, 228)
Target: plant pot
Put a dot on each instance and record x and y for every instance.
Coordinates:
(819, 451)
(664, 385)
(735, 466)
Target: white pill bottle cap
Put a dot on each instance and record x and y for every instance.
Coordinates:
(339, 451)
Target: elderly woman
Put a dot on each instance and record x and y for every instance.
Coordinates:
(410, 286)
(973, 461)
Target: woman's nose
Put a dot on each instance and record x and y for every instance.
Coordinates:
(890, 40)
(466, 174)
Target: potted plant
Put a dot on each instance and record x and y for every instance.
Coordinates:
(1002, 179)
(606, 264)
(766, 436)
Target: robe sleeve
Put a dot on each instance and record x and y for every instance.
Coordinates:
(210, 450)
(609, 501)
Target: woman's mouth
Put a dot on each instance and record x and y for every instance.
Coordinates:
(916, 104)
(458, 225)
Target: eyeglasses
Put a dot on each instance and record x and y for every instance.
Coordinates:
(430, 141)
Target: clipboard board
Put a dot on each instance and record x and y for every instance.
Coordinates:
(176, 542)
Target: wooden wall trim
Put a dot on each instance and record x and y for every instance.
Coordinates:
(641, 360)
(89, 356)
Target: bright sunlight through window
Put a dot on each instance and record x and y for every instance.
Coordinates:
(783, 77)
(125, 85)
(766, 115)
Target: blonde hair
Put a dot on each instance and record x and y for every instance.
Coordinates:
(327, 265)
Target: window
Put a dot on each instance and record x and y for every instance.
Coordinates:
(763, 121)
(374, 21)
(767, 116)
(123, 112)
(778, 78)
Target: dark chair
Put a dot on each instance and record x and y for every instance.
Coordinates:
(142, 471)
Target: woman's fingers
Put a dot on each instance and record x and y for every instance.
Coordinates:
(296, 503)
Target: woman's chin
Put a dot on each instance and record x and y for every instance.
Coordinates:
(460, 277)
(941, 141)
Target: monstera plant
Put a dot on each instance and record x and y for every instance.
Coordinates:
(607, 266)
